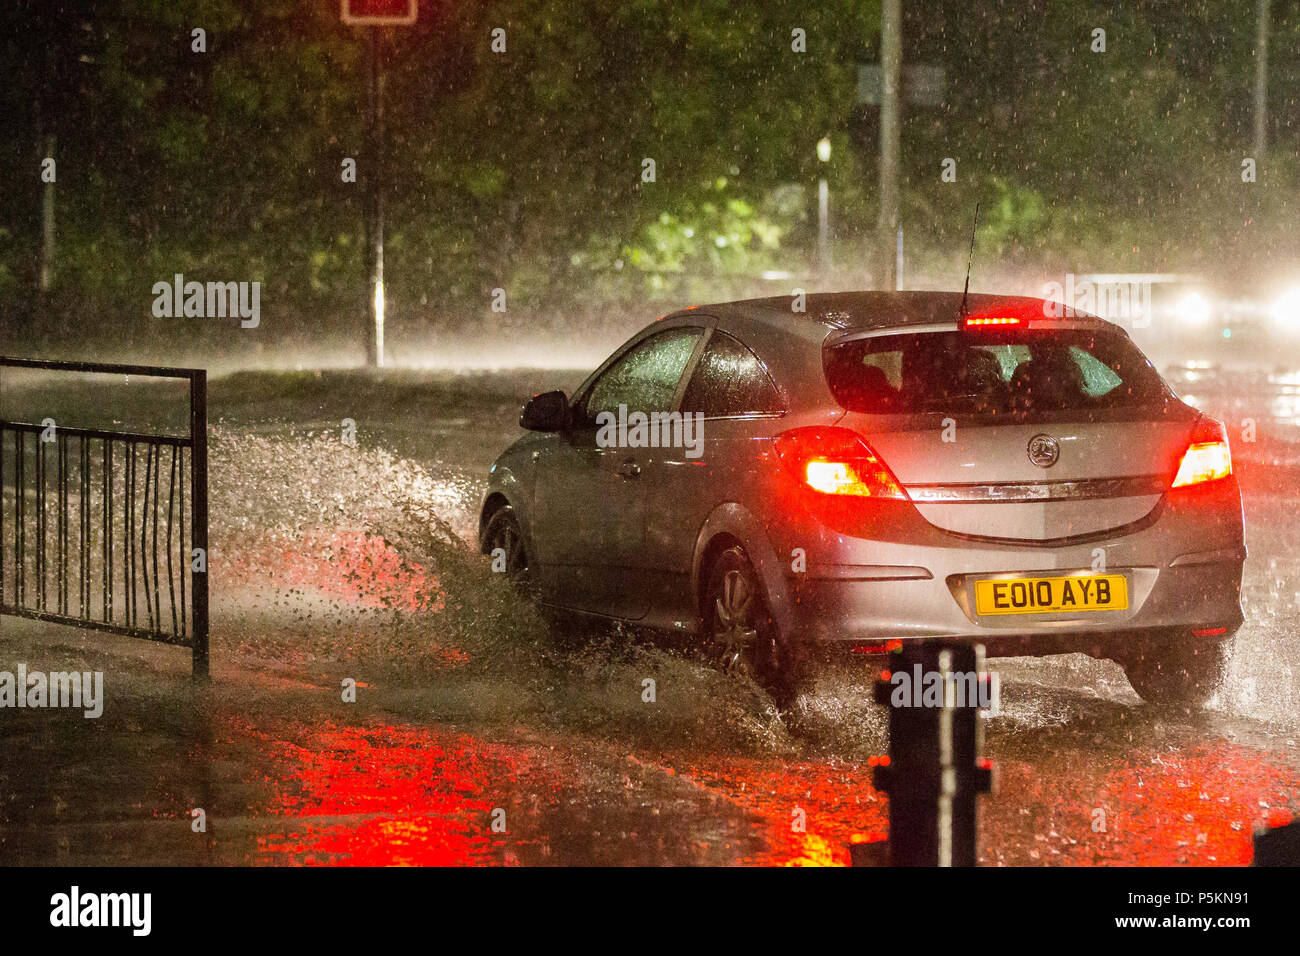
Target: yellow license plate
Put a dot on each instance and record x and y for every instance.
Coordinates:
(1090, 592)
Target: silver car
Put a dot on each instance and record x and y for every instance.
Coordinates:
(791, 484)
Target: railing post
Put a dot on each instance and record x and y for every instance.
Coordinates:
(199, 515)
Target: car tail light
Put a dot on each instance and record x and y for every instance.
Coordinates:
(836, 461)
(1207, 457)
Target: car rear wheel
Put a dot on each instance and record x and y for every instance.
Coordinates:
(741, 634)
(1178, 674)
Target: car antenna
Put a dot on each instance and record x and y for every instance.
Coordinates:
(969, 259)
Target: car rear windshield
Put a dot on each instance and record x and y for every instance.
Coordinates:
(991, 372)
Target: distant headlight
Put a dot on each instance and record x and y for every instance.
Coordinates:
(1286, 311)
(1194, 309)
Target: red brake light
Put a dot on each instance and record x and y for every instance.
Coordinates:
(833, 477)
(985, 321)
(1207, 457)
(836, 461)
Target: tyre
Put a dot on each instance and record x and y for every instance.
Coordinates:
(741, 636)
(503, 532)
(567, 630)
(1181, 674)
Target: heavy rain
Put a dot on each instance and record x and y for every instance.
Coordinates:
(396, 235)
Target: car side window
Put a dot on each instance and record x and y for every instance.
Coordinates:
(730, 381)
(645, 379)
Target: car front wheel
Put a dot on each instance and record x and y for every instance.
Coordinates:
(505, 543)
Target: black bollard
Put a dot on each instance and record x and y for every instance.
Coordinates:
(934, 692)
(1278, 846)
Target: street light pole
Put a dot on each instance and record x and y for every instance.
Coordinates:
(823, 207)
(1261, 78)
(374, 178)
(374, 15)
(898, 263)
(46, 275)
(891, 69)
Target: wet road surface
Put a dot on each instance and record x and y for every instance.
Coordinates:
(476, 739)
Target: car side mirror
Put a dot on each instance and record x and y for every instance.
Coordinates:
(547, 412)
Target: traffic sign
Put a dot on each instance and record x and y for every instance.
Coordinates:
(923, 84)
(379, 13)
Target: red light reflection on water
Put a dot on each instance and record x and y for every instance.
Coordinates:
(1197, 807)
(383, 796)
(391, 795)
(836, 800)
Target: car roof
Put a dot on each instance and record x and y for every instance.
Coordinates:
(790, 343)
(826, 312)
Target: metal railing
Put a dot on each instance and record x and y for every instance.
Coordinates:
(108, 529)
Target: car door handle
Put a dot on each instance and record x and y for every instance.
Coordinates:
(629, 469)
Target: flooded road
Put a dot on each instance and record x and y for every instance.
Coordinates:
(476, 736)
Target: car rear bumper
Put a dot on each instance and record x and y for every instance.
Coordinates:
(1183, 567)
(1195, 596)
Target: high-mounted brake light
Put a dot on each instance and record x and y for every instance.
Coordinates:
(836, 461)
(1207, 457)
(985, 321)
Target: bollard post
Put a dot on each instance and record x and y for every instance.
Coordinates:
(934, 773)
(1278, 845)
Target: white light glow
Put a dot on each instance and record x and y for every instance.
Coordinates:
(1286, 311)
(1194, 309)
